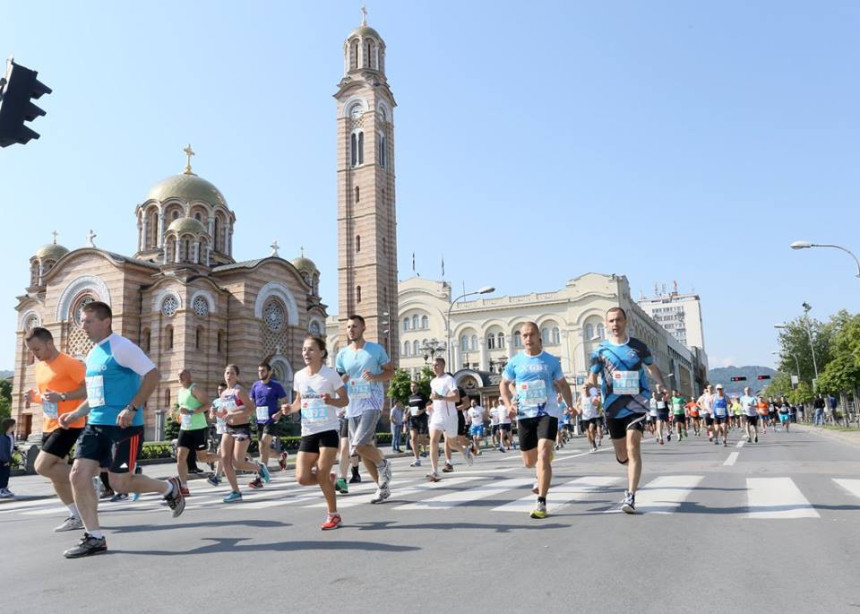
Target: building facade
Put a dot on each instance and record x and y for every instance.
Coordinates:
(680, 314)
(182, 297)
(479, 337)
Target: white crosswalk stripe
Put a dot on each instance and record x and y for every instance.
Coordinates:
(473, 493)
(777, 498)
(576, 490)
(665, 494)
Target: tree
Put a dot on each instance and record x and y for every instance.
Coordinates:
(399, 388)
(794, 342)
(842, 373)
(5, 399)
(779, 386)
(801, 394)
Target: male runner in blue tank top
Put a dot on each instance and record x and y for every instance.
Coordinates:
(621, 362)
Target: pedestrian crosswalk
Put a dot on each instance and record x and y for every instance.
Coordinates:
(500, 491)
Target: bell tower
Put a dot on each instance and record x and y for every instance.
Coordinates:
(366, 212)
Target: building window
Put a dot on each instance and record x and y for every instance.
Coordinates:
(357, 243)
(358, 294)
(167, 398)
(464, 343)
(474, 344)
(415, 347)
(556, 336)
(168, 337)
(415, 321)
(222, 337)
(384, 246)
(491, 342)
(198, 338)
(357, 195)
(146, 340)
(200, 306)
(500, 341)
(315, 328)
(544, 336)
(169, 306)
(589, 332)
(78, 309)
(274, 315)
(406, 348)
(405, 323)
(360, 148)
(518, 339)
(356, 146)
(381, 146)
(601, 331)
(425, 322)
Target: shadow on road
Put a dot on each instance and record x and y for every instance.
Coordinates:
(231, 544)
(385, 525)
(146, 528)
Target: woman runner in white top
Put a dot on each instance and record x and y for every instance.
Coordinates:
(320, 394)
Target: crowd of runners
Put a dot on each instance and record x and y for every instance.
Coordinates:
(95, 408)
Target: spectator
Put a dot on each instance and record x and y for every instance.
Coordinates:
(396, 417)
(818, 416)
(7, 446)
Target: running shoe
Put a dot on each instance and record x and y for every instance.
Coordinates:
(120, 496)
(356, 478)
(175, 500)
(594, 448)
(282, 461)
(628, 505)
(539, 511)
(233, 497)
(433, 476)
(725, 443)
(448, 468)
(502, 449)
(214, 480)
(385, 474)
(469, 455)
(107, 493)
(415, 463)
(669, 436)
(71, 523)
(264, 473)
(716, 442)
(5, 493)
(135, 496)
(185, 492)
(341, 486)
(87, 546)
(332, 521)
(381, 495)
(255, 483)
(660, 441)
(755, 439)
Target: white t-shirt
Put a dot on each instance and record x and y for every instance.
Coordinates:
(494, 416)
(589, 408)
(317, 416)
(748, 405)
(443, 385)
(707, 403)
(653, 407)
(477, 415)
(504, 416)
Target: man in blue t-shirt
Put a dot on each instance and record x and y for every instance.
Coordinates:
(621, 361)
(119, 380)
(528, 389)
(268, 395)
(364, 366)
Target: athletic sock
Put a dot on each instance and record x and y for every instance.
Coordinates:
(355, 471)
(105, 480)
(96, 534)
(169, 490)
(542, 500)
(73, 510)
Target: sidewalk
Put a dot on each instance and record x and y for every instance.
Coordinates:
(33, 487)
(852, 436)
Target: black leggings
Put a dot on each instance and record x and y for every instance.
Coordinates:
(5, 470)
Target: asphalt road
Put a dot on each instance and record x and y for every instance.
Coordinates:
(767, 527)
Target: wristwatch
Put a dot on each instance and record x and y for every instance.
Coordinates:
(131, 407)
(62, 396)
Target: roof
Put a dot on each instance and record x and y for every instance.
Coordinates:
(187, 187)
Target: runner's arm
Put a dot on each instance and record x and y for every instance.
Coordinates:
(562, 386)
(82, 410)
(204, 400)
(341, 401)
(505, 394)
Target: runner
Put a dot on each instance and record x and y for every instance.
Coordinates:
(663, 414)
(320, 395)
(268, 396)
(589, 409)
(443, 418)
(417, 421)
(763, 410)
(119, 379)
(462, 437)
(692, 408)
(651, 419)
(505, 437)
(220, 429)
(748, 405)
(529, 382)
(494, 424)
(59, 388)
(395, 418)
(236, 408)
(193, 427)
(477, 414)
(364, 365)
(784, 413)
(720, 408)
(735, 411)
(621, 362)
(678, 415)
(706, 404)
(345, 461)
(563, 422)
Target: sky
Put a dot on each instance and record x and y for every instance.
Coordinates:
(666, 141)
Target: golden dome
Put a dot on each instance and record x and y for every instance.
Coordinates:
(51, 251)
(187, 224)
(187, 188)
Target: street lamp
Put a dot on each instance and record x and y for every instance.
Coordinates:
(806, 309)
(807, 245)
(430, 348)
(796, 361)
(484, 290)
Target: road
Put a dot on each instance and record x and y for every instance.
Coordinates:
(768, 527)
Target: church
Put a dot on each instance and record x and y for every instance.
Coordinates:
(185, 300)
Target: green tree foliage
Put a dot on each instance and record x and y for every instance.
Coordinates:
(399, 388)
(5, 399)
(795, 346)
(842, 373)
(779, 386)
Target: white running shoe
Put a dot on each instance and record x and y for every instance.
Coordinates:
(71, 523)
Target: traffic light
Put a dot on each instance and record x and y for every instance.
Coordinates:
(739, 378)
(763, 377)
(16, 89)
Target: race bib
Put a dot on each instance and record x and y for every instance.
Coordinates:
(96, 390)
(229, 405)
(220, 425)
(262, 413)
(414, 410)
(49, 410)
(359, 389)
(314, 410)
(532, 393)
(625, 383)
(185, 420)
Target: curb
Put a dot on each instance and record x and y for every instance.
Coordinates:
(851, 438)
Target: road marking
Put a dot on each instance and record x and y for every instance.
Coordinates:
(464, 496)
(559, 496)
(664, 495)
(741, 443)
(731, 460)
(777, 498)
(351, 501)
(852, 486)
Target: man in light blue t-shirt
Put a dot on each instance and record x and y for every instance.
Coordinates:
(364, 366)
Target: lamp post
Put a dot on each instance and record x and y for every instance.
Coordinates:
(806, 309)
(796, 361)
(430, 348)
(807, 245)
(484, 290)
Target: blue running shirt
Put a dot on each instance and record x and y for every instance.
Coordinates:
(114, 370)
(363, 395)
(624, 383)
(534, 378)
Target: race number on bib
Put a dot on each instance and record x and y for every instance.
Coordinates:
(262, 413)
(185, 420)
(49, 410)
(533, 393)
(314, 410)
(359, 389)
(96, 390)
(625, 382)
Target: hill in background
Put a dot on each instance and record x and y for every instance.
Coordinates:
(6, 374)
(724, 375)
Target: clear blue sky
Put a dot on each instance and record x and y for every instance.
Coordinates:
(662, 140)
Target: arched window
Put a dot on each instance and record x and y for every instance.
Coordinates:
(358, 294)
(406, 348)
(518, 339)
(464, 343)
(176, 215)
(415, 321)
(167, 397)
(491, 342)
(405, 323)
(474, 342)
(353, 55)
(357, 194)
(589, 331)
(146, 340)
(425, 322)
(222, 341)
(198, 338)
(168, 337)
(384, 246)
(360, 148)
(601, 331)
(556, 336)
(381, 146)
(315, 328)
(415, 347)
(274, 315)
(353, 149)
(358, 243)
(500, 341)
(197, 216)
(544, 336)
(366, 59)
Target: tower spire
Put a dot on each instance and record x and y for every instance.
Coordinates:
(363, 16)
(188, 153)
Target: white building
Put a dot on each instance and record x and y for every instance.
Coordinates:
(680, 314)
